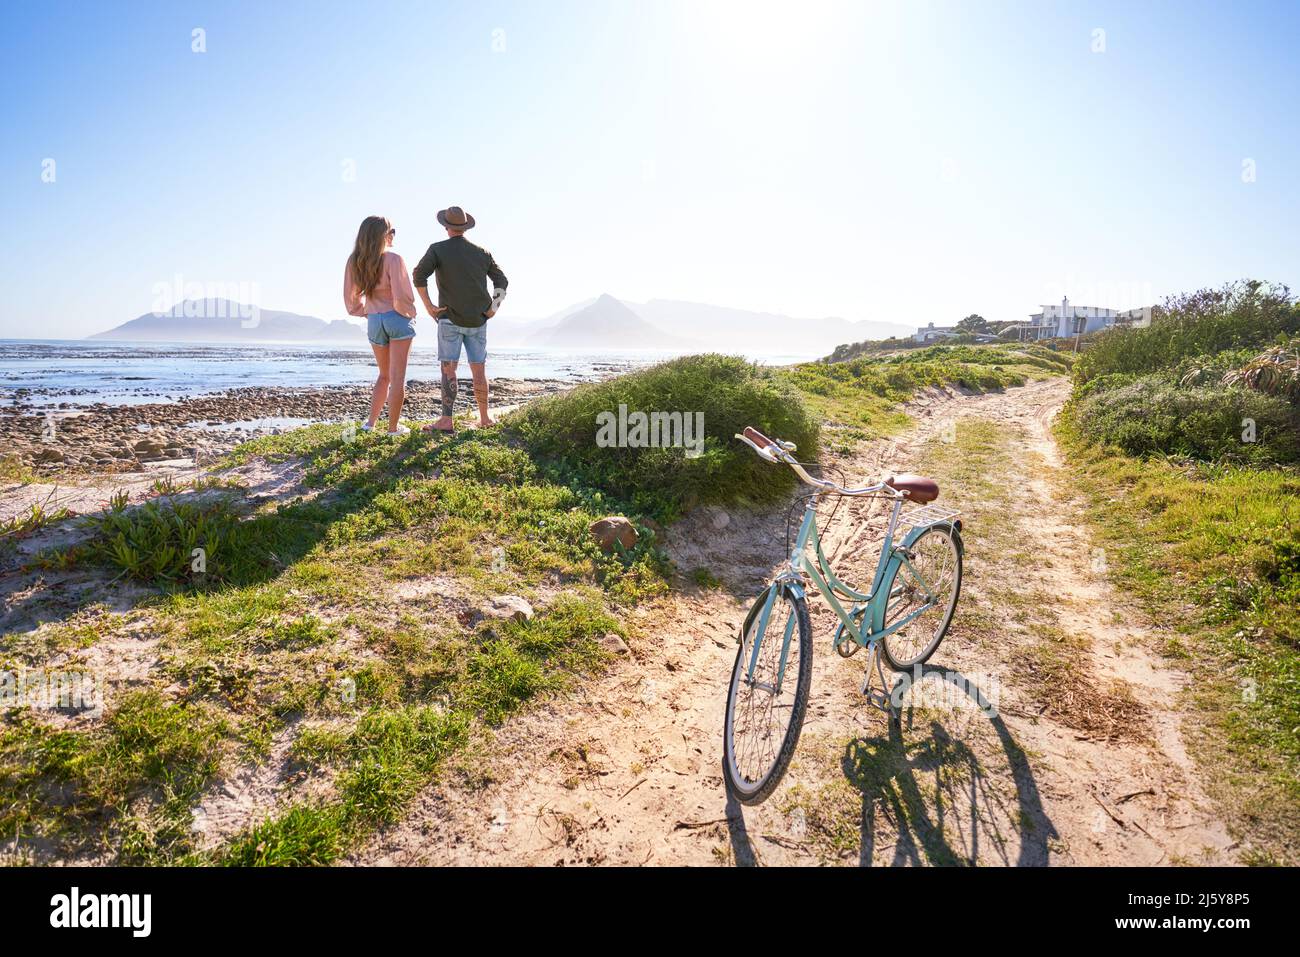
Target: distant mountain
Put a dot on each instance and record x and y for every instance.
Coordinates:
(222, 320)
(690, 325)
(603, 322)
(507, 331)
(608, 324)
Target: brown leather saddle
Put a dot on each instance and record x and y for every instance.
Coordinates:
(917, 488)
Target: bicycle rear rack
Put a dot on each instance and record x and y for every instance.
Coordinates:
(928, 515)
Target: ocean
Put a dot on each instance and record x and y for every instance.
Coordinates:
(73, 373)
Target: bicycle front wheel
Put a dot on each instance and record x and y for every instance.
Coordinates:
(765, 708)
(926, 587)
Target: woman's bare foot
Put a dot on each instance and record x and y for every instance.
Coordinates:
(441, 424)
(486, 422)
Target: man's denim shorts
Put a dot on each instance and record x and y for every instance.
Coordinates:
(383, 327)
(450, 337)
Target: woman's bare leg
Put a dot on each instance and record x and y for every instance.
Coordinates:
(398, 352)
(381, 384)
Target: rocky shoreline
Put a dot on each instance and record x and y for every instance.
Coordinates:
(128, 438)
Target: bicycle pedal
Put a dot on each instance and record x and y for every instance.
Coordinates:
(879, 700)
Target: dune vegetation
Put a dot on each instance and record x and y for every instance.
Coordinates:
(342, 634)
(1183, 437)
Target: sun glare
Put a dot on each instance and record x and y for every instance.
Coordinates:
(740, 33)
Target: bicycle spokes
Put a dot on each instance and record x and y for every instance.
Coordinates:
(765, 693)
(921, 595)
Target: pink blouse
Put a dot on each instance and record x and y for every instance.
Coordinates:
(394, 291)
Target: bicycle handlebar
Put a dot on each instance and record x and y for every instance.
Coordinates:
(778, 453)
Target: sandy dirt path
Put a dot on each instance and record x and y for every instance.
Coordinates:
(1083, 769)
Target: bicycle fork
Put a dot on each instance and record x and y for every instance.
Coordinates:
(777, 586)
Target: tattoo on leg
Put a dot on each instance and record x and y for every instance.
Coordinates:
(449, 385)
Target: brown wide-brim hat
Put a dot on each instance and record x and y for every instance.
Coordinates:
(455, 218)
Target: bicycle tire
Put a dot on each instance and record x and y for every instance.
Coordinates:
(759, 789)
(892, 658)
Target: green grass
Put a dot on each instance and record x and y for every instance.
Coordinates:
(393, 750)
(726, 393)
(294, 625)
(64, 784)
(865, 391)
(26, 524)
(1215, 552)
(1205, 527)
(295, 604)
(170, 541)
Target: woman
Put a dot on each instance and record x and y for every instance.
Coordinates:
(376, 285)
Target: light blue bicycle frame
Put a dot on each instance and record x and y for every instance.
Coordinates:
(873, 603)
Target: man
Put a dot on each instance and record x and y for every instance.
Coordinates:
(464, 306)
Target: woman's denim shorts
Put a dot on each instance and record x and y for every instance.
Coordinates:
(384, 327)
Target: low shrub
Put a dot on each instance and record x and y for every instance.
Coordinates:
(169, 542)
(571, 434)
(1241, 315)
(1152, 415)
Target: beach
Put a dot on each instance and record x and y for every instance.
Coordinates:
(126, 438)
(86, 407)
(99, 406)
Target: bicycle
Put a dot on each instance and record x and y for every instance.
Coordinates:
(903, 616)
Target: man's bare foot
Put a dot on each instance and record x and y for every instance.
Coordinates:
(441, 424)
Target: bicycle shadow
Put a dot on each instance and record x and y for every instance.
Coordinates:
(937, 797)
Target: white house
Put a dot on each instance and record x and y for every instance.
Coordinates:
(1068, 320)
(933, 333)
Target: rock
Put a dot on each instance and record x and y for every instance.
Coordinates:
(655, 529)
(149, 449)
(613, 528)
(717, 517)
(507, 608)
(614, 644)
(49, 456)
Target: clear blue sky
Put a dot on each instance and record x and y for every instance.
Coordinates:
(911, 162)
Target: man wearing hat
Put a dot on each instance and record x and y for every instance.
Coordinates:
(464, 307)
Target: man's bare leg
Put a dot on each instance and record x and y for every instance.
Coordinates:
(479, 371)
(449, 388)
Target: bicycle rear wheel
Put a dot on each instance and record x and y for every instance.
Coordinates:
(763, 721)
(931, 577)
